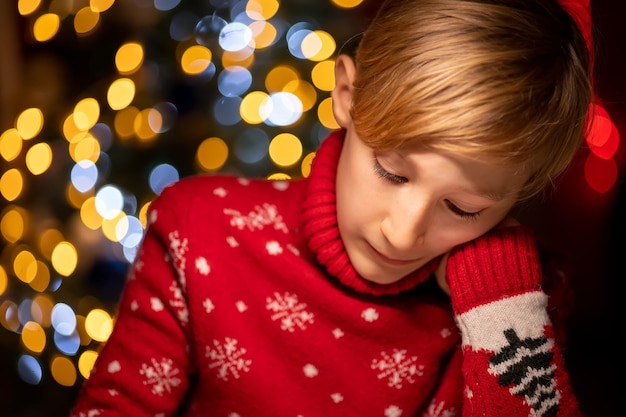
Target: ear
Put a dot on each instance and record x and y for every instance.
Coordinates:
(345, 72)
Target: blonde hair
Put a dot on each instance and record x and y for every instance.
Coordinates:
(506, 82)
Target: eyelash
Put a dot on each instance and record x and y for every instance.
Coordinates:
(462, 213)
(396, 179)
(384, 174)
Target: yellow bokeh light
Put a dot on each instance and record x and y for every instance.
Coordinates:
(42, 278)
(11, 184)
(346, 4)
(46, 26)
(125, 122)
(212, 154)
(63, 371)
(87, 148)
(86, 362)
(323, 75)
(143, 214)
(29, 123)
(48, 240)
(318, 45)
(264, 33)
(13, 223)
(8, 316)
(10, 144)
(261, 9)
(279, 77)
(89, 215)
(101, 5)
(85, 20)
(64, 258)
(154, 118)
(142, 126)
(39, 158)
(86, 113)
(121, 93)
(99, 325)
(325, 114)
(26, 7)
(250, 108)
(304, 91)
(285, 149)
(279, 176)
(129, 57)
(196, 59)
(242, 58)
(41, 309)
(33, 337)
(109, 226)
(77, 198)
(25, 266)
(4, 280)
(70, 130)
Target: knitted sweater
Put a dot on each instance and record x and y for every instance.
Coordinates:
(242, 302)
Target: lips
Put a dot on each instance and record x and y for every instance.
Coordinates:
(392, 261)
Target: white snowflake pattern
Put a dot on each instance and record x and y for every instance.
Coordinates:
(114, 367)
(369, 314)
(393, 411)
(89, 413)
(243, 181)
(273, 248)
(445, 333)
(227, 358)
(113, 392)
(310, 370)
(161, 376)
(241, 306)
(220, 192)
(337, 333)
(178, 249)
(134, 305)
(293, 249)
(202, 265)
(232, 242)
(289, 311)
(152, 217)
(397, 368)
(178, 303)
(137, 266)
(257, 219)
(469, 393)
(280, 185)
(208, 305)
(438, 410)
(336, 397)
(156, 304)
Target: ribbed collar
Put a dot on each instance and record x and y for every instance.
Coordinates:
(322, 232)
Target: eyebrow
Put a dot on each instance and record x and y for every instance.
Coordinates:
(488, 194)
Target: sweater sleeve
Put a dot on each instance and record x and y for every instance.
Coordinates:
(512, 365)
(143, 368)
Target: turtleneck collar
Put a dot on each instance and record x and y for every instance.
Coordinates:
(322, 231)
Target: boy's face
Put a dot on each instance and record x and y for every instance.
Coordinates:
(398, 210)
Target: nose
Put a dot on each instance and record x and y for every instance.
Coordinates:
(405, 225)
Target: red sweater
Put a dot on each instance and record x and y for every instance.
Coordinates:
(242, 302)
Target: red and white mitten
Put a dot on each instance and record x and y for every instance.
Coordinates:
(511, 363)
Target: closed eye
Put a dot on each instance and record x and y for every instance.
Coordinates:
(461, 213)
(383, 173)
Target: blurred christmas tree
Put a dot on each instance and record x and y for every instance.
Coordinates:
(107, 102)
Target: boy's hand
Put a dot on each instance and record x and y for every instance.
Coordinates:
(440, 274)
